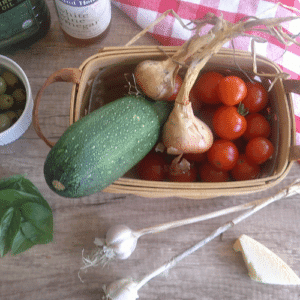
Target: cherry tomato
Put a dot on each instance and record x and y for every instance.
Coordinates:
(195, 157)
(152, 167)
(223, 154)
(206, 87)
(257, 125)
(228, 123)
(231, 90)
(209, 173)
(257, 97)
(259, 150)
(245, 169)
(177, 86)
(180, 176)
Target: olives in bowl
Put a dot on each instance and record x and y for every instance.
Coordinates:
(16, 101)
(12, 99)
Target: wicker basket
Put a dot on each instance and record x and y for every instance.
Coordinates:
(124, 58)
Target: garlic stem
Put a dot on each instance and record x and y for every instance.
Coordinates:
(126, 289)
(121, 241)
(291, 190)
(178, 223)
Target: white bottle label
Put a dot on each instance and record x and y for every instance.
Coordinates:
(83, 19)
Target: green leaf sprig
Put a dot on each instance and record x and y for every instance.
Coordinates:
(26, 218)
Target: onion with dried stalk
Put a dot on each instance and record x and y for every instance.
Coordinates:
(157, 78)
(185, 133)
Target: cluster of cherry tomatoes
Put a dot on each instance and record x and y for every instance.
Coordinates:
(235, 110)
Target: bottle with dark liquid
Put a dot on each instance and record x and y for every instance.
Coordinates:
(22, 23)
(84, 22)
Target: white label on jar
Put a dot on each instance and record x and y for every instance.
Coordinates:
(83, 19)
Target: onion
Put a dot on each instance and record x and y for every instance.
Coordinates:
(156, 78)
(185, 133)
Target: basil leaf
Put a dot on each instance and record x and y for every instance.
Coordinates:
(20, 243)
(19, 183)
(9, 227)
(35, 235)
(38, 216)
(13, 198)
(25, 187)
(10, 197)
(25, 216)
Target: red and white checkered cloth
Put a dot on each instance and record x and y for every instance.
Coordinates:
(170, 32)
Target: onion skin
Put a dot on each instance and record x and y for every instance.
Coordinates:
(185, 133)
(156, 78)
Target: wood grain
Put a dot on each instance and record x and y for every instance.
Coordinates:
(215, 272)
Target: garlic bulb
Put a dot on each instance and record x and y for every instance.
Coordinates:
(119, 243)
(185, 133)
(121, 240)
(123, 289)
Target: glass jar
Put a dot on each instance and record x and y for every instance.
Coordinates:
(22, 22)
(84, 22)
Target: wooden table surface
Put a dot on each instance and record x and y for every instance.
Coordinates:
(215, 272)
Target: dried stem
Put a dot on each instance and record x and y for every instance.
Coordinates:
(188, 48)
(159, 19)
(215, 214)
(105, 253)
(291, 190)
(224, 31)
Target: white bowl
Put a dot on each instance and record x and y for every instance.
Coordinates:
(21, 125)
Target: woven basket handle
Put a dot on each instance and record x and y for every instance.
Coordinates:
(64, 75)
(293, 86)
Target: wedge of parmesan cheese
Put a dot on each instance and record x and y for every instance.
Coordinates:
(263, 265)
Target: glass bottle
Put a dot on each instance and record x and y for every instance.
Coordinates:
(84, 21)
(22, 23)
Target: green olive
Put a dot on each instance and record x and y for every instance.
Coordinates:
(5, 122)
(19, 95)
(12, 115)
(2, 86)
(19, 112)
(10, 79)
(6, 101)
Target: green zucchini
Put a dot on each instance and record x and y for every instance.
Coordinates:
(102, 146)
